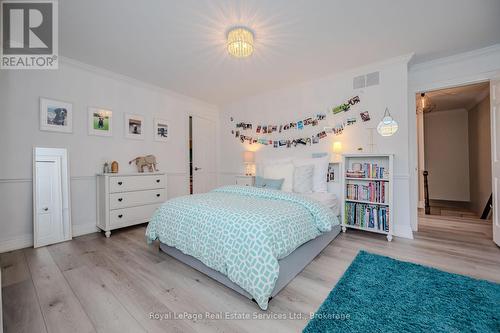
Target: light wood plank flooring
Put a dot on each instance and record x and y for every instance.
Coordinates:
(95, 284)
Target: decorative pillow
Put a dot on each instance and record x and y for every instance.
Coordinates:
(303, 179)
(278, 171)
(274, 184)
(320, 171)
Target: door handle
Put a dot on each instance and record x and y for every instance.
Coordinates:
(119, 183)
(196, 168)
(45, 208)
(120, 199)
(120, 216)
(157, 180)
(158, 195)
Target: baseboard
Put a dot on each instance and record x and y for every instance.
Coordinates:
(17, 243)
(25, 241)
(84, 229)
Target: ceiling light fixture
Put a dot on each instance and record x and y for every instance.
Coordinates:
(240, 42)
(425, 104)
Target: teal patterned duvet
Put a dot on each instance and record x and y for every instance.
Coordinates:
(241, 231)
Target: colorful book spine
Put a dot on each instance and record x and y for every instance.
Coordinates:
(373, 192)
(369, 170)
(366, 216)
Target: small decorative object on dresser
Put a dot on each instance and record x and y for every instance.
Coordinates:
(367, 193)
(245, 180)
(128, 199)
(148, 161)
(114, 167)
(105, 168)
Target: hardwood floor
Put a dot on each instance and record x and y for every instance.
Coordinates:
(95, 284)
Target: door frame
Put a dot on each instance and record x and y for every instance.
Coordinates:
(62, 155)
(412, 129)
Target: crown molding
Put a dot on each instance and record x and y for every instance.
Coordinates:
(492, 49)
(65, 61)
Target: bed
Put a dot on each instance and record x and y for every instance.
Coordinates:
(253, 240)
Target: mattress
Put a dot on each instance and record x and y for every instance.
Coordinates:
(329, 200)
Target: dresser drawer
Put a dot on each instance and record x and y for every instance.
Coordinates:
(136, 198)
(136, 183)
(133, 215)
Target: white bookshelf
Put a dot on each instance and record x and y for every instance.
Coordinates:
(381, 208)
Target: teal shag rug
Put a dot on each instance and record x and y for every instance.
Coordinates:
(380, 294)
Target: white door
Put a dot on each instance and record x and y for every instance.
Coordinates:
(48, 205)
(495, 155)
(204, 165)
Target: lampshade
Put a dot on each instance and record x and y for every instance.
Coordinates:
(387, 126)
(248, 157)
(240, 42)
(337, 147)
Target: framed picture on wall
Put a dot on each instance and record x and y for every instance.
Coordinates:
(134, 126)
(161, 130)
(100, 121)
(56, 116)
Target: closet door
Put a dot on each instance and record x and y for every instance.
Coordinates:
(204, 159)
(48, 202)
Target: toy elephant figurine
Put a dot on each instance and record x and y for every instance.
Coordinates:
(148, 161)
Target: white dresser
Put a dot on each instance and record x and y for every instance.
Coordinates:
(128, 199)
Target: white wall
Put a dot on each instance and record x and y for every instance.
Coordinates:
(480, 155)
(470, 67)
(299, 101)
(84, 86)
(446, 143)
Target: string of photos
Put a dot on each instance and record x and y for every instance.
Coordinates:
(242, 128)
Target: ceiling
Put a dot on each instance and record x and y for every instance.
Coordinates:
(464, 97)
(180, 45)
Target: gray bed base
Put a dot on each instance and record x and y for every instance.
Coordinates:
(290, 266)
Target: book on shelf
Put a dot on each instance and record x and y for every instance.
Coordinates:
(369, 170)
(367, 216)
(373, 192)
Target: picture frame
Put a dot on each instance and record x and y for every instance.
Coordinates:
(56, 116)
(134, 126)
(100, 121)
(161, 130)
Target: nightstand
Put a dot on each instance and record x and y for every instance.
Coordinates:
(245, 180)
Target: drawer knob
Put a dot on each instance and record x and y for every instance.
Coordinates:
(119, 183)
(157, 180)
(158, 195)
(120, 216)
(120, 199)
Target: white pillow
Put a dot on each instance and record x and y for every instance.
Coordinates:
(320, 171)
(303, 179)
(265, 162)
(278, 171)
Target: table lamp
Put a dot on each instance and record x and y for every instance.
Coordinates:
(249, 160)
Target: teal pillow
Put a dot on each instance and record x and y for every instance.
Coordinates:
(274, 184)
